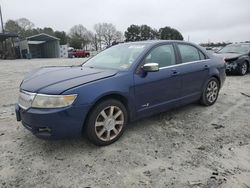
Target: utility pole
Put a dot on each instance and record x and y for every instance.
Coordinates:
(1, 19)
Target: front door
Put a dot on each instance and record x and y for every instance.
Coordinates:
(156, 91)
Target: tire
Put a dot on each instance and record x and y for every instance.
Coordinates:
(210, 92)
(106, 122)
(243, 68)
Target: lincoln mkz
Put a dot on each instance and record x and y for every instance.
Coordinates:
(121, 84)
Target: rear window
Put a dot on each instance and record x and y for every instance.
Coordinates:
(190, 53)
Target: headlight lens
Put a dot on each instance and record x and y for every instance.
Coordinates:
(25, 99)
(53, 101)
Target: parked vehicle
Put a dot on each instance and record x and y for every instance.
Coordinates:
(78, 53)
(216, 49)
(237, 57)
(120, 84)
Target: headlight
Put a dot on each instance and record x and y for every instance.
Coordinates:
(52, 101)
(25, 99)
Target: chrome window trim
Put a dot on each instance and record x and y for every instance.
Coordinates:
(28, 93)
(176, 65)
(47, 95)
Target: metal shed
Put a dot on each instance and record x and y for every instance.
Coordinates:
(7, 48)
(41, 46)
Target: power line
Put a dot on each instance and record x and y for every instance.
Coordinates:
(1, 19)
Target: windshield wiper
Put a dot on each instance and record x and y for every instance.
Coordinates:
(75, 65)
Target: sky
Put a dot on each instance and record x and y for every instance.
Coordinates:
(197, 20)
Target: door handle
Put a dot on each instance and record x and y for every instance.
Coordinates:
(206, 67)
(175, 72)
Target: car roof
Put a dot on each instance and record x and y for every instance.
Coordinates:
(156, 42)
(151, 43)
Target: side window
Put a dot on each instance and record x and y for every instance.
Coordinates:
(163, 55)
(189, 53)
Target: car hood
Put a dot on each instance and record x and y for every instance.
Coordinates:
(55, 80)
(229, 55)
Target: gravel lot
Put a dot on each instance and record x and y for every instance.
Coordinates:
(192, 146)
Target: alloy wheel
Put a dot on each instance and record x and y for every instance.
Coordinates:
(212, 91)
(109, 123)
(243, 68)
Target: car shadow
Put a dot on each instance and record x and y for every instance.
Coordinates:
(82, 145)
(166, 116)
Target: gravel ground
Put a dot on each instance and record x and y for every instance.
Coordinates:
(192, 146)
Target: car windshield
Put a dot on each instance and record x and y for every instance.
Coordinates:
(235, 48)
(119, 57)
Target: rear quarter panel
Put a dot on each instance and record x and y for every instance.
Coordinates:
(217, 69)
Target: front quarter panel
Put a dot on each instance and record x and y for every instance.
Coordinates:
(89, 94)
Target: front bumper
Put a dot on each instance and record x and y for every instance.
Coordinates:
(53, 123)
(232, 67)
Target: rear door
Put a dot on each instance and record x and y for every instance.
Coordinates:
(194, 68)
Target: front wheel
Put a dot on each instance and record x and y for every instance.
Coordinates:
(243, 68)
(106, 122)
(210, 92)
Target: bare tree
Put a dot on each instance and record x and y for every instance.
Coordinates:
(25, 24)
(80, 36)
(94, 40)
(12, 27)
(119, 37)
(107, 33)
(98, 35)
(78, 30)
(21, 26)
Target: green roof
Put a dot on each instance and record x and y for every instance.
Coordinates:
(42, 37)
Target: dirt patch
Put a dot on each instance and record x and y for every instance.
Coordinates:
(192, 146)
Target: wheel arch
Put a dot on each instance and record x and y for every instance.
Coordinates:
(248, 65)
(242, 60)
(217, 78)
(117, 96)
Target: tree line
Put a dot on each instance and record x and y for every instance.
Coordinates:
(145, 32)
(212, 44)
(103, 34)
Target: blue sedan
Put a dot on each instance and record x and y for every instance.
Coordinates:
(119, 85)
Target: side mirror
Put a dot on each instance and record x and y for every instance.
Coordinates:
(151, 67)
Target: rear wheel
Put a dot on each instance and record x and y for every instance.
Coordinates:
(210, 92)
(106, 122)
(243, 68)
